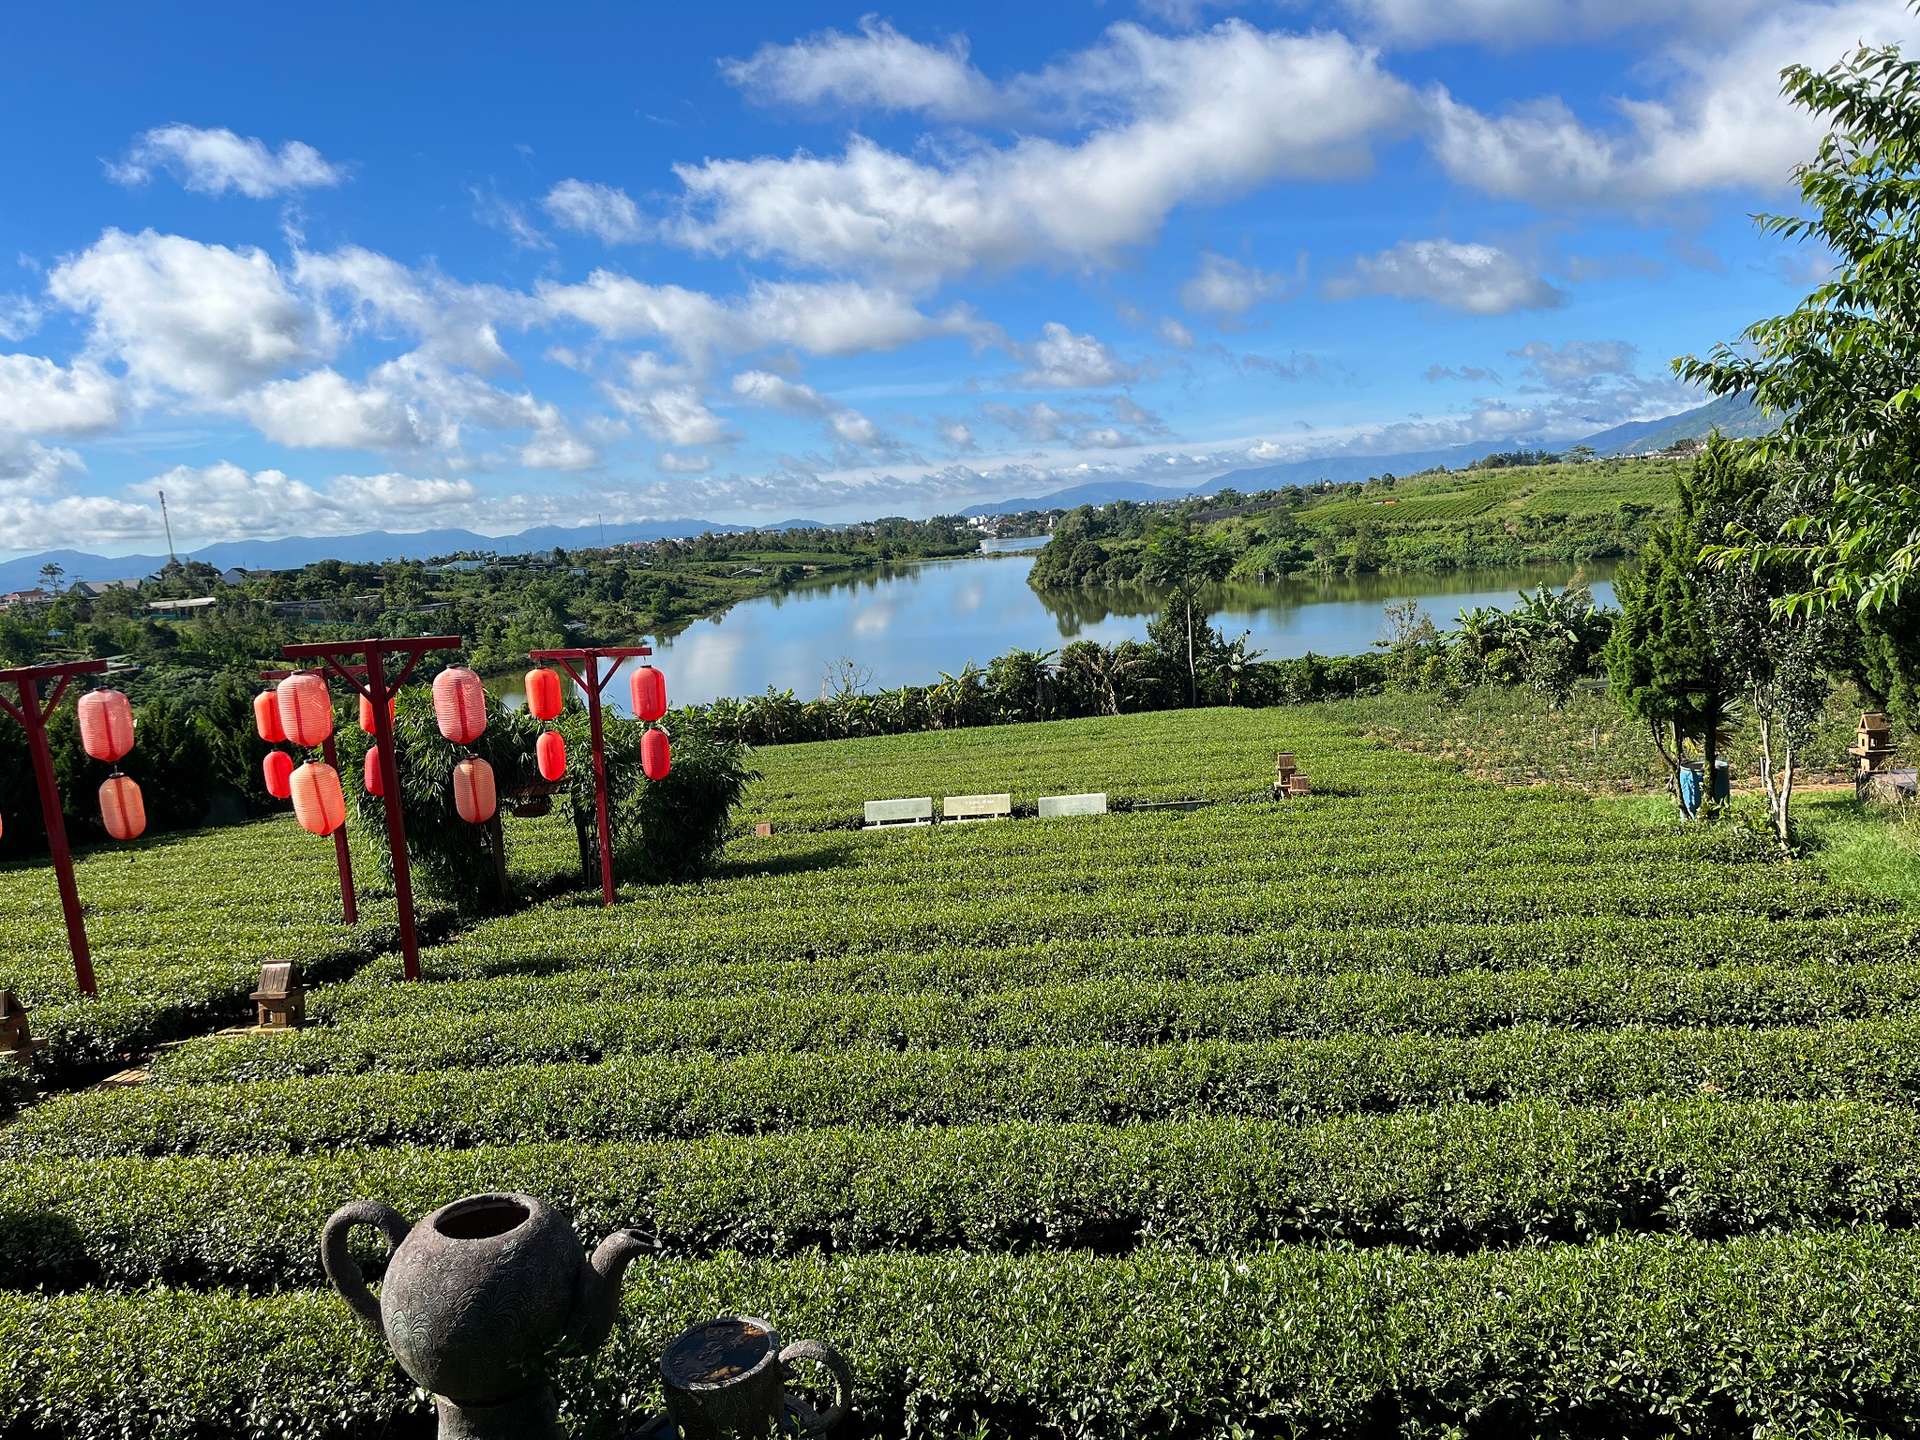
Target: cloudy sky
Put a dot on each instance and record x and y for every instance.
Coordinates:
(496, 267)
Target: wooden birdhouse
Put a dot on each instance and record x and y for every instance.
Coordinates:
(281, 1000)
(15, 1039)
(1287, 779)
(1874, 744)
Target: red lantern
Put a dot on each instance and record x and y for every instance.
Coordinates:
(106, 724)
(551, 752)
(543, 693)
(656, 754)
(473, 794)
(460, 705)
(372, 776)
(266, 718)
(122, 810)
(366, 713)
(306, 709)
(649, 688)
(278, 768)
(317, 802)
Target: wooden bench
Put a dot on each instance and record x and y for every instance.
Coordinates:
(1052, 805)
(887, 814)
(966, 809)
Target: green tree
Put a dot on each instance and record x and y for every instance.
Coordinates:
(1185, 562)
(1666, 660)
(1843, 369)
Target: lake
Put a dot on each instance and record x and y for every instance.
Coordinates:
(906, 624)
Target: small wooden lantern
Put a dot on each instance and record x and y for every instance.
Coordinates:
(1299, 785)
(15, 1039)
(1287, 779)
(281, 999)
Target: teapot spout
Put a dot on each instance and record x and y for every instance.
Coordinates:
(598, 1300)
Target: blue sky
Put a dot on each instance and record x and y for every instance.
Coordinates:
(313, 272)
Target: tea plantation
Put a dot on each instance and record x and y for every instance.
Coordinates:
(1417, 1107)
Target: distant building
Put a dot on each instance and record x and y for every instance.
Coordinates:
(200, 602)
(234, 575)
(94, 589)
(25, 597)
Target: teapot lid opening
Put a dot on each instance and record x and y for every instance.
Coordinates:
(715, 1354)
(482, 1218)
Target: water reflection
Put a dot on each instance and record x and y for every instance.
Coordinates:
(905, 624)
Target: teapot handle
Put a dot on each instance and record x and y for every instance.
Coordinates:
(336, 1256)
(810, 1420)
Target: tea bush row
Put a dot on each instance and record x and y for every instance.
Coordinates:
(685, 1095)
(1460, 1178)
(1128, 1013)
(1639, 1338)
(545, 966)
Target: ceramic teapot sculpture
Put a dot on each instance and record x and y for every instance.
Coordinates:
(727, 1379)
(477, 1297)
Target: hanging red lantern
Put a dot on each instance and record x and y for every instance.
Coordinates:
(106, 724)
(366, 714)
(306, 709)
(278, 769)
(318, 804)
(473, 793)
(551, 752)
(266, 718)
(372, 776)
(543, 693)
(649, 688)
(460, 705)
(656, 754)
(122, 810)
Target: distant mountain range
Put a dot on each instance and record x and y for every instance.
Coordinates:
(1734, 415)
(368, 547)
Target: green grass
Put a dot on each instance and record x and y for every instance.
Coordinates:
(1420, 1106)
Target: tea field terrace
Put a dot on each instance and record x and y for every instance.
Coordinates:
(1417, 1106)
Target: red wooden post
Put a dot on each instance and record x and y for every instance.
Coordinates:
(342, 854)
(32, 715)
(593, 683)
(374, 685)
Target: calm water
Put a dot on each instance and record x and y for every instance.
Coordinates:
(905, 626)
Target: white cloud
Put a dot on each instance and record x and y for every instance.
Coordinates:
(957, 434)
(856, 429)
(831, 318)
(1227, 288)
(216, 161)
(671, 413)
(1177, 119)
(1062, 360)
(879, 68)
(1577, 360)
(202, 320)
(1479, 279)
(38, 397)
(1265, 450)
(19, 317)
(496, 212)
(1723, 122)
(599, 210)
(372, 495)
(558, 448)
(225, 501)
(1175, 334)
(323, 409)
(685, 464)
(1510, 24)
(455, 323)
(776, 392)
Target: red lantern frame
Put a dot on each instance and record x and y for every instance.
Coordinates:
(594, 682)
(32, 713)
(369, 680)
